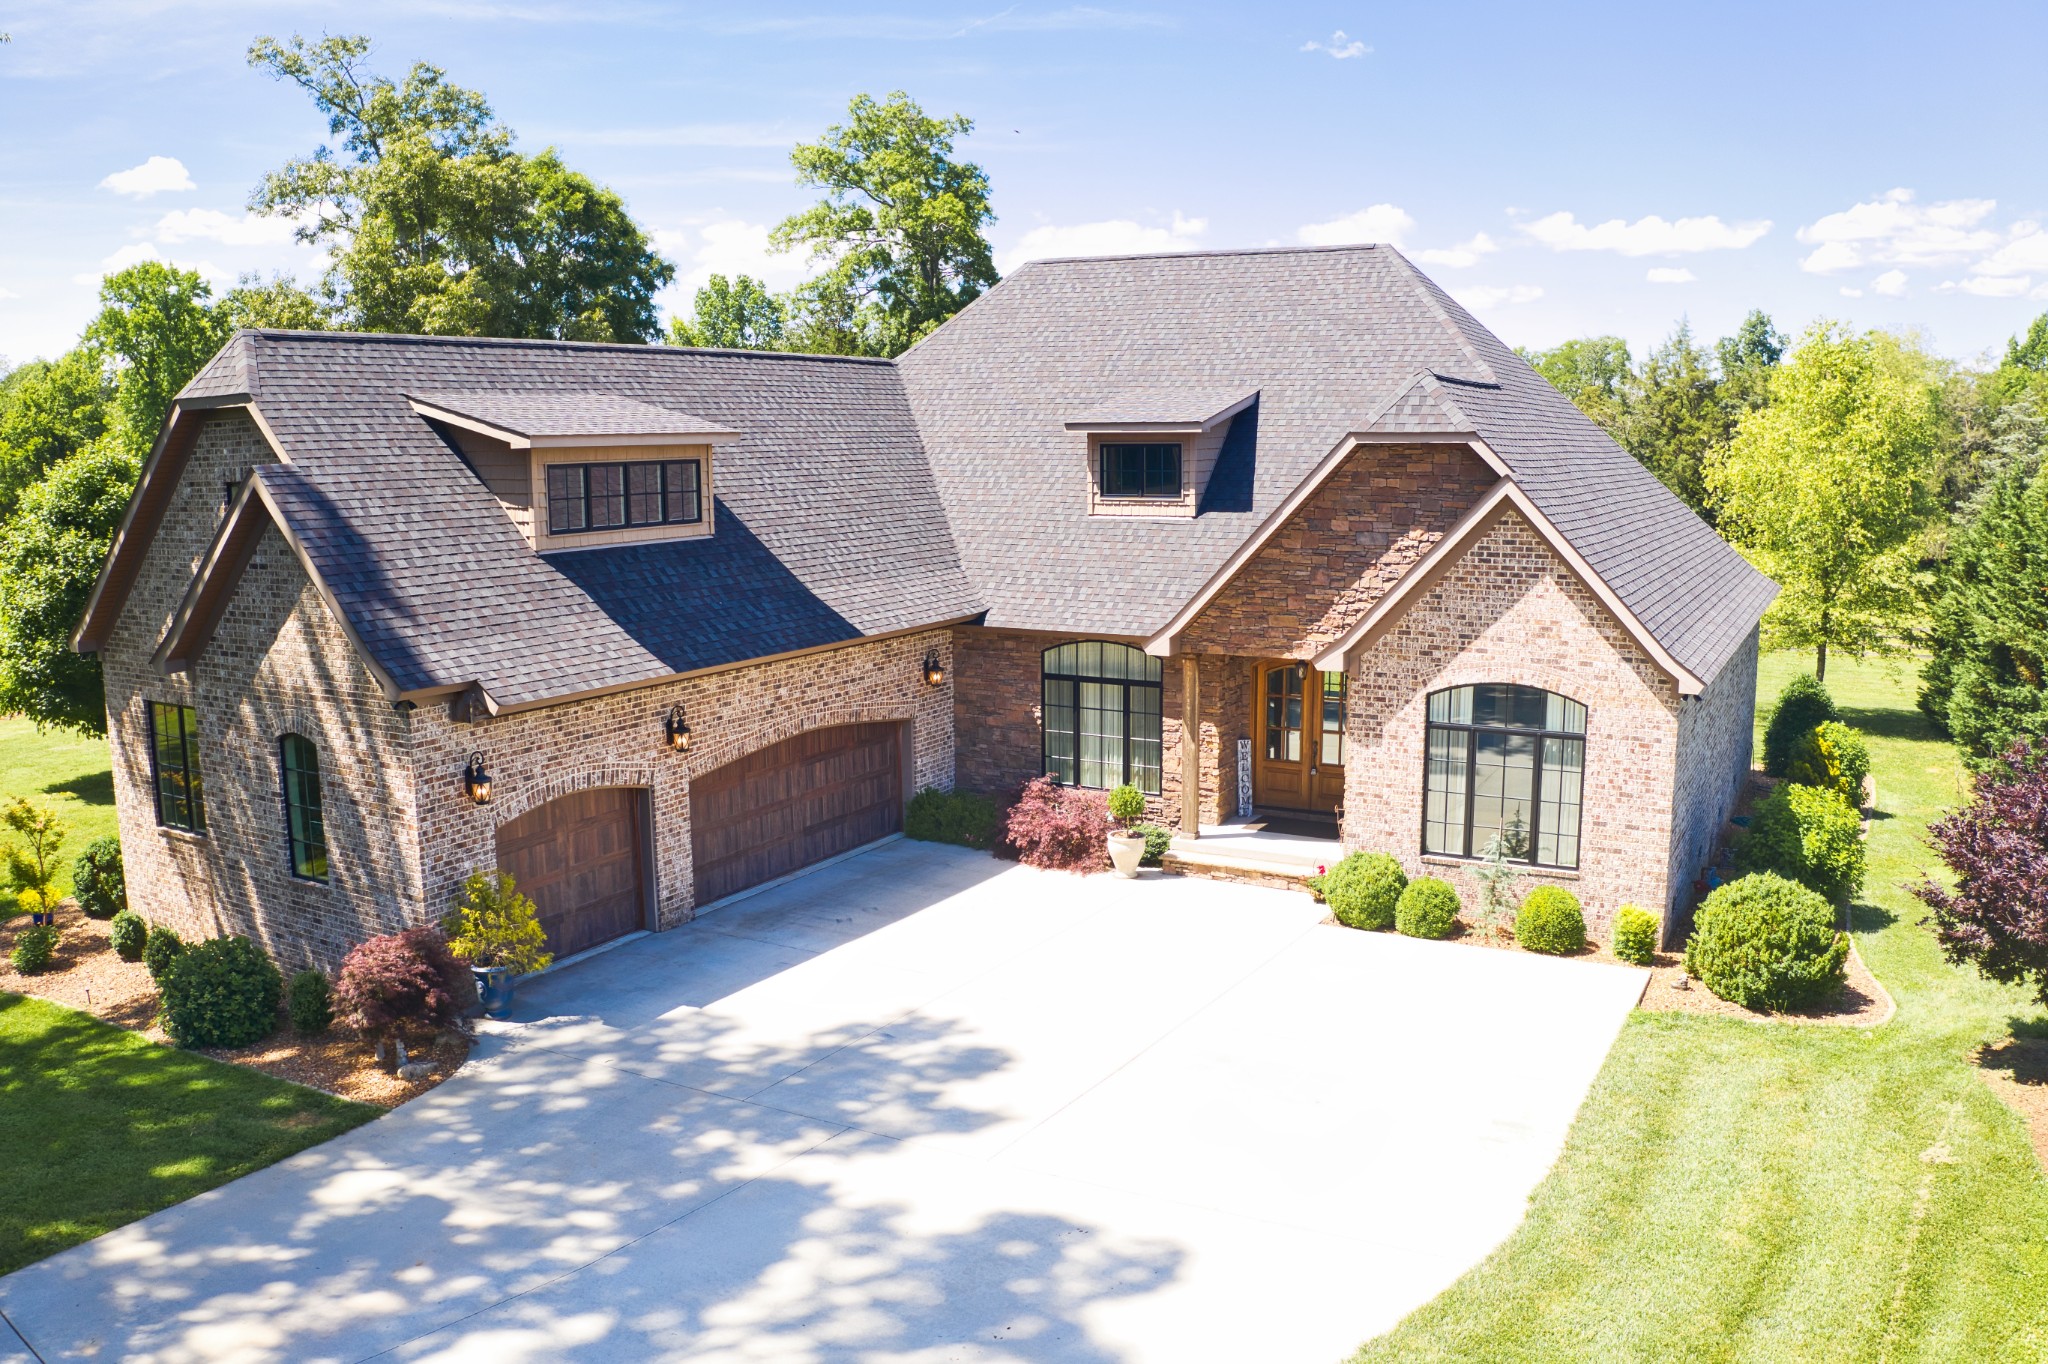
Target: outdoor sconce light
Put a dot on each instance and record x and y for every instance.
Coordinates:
(476, 781)
(934, 671)
(677, 729)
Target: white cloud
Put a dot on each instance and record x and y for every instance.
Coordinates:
(212, 225)
(1379, 223)
(154, 176)
(1894, 230)
(1116, 237)
(1987, 286)
(1341, 46)
(1848, 292)
(2024, 253)
(728, 246)
(1487, 296)
(1457, 257)
(137, 252)
(1651, 236)
(1670, 274)
(8, 293)
(1892, 284)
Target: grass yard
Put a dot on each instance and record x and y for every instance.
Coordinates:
(59, 769)
(1737, 1190)
(101, 1127)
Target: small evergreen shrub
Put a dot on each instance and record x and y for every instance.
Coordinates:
(310, 1002)
(33, 948)
(29, 854)
(1765, 942)
(492, 924)
(1428, 908)
(960, 817)
(1809, 835)
(1803, 704)
(1834, 757)
(1158, 842)
(160, 951)
(1550, 921)
(222, 992)
(127, 934)
(1635, 935)
(98, 881)
(1060, 826)
(1363, 889)
(1126, 805)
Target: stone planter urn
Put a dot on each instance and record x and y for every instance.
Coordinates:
(493, 989)
(1125, 852)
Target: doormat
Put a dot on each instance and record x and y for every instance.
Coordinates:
(1299, 826)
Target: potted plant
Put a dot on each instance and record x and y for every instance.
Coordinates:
(497, 930)
(1126, 845)
(31, 857)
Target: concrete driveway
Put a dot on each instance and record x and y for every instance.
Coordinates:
(919, 1105)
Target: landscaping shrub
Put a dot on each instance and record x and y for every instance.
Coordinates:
(960, 817)
(1834, 757)
(1803, 704)
(1809, 835)
(1158, 842)
(1126, 805)
(33, 947)
(492, 924)
(127, 933)
(1997, 845)
(398, 982)
(1428, 908)
(1550, 921)
(160, 951)
(310, 1001)
(221, 992)
(1635, 935)
(1363, 889)
(98, 881)
(30, 854)
(1060, 826)
(1764, 942)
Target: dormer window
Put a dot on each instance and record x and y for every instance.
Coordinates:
(594, 497)
(1135, 469)
(1150, 451)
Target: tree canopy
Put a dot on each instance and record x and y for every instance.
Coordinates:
(160, 326)
(737, 314)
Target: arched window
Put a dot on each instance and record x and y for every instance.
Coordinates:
(1102, 725)
(305, 830)
(1507, 763)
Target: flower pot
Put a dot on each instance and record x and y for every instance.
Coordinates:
(43, 916)
(1125, 852)
(493, 989)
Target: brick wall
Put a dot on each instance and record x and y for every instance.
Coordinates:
(1715, 732)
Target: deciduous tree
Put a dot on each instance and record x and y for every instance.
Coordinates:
(1997, 845)
(160, 325)
(737, 314)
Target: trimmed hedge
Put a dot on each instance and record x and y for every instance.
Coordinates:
(127, 934)
(221, 992)
(1767, 943)
(310, 1003)
(1635, 935)
(1428, 908)
(1158, 842)
(961, 817)
(1551, 921)
(1834, 757)
(1809, 835)
(1803, 704)
(33, 948)
(1363, 889)
(160, 951)
(98, 881)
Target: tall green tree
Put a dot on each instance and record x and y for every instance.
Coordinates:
(1828, 486)
(736, 314)
(2023, 372)
(1674, 417)
(1594, 372)
(436, 224)
(899, 232)
(279, 302)
(49, 411)
(1747, 360)
(160, 325)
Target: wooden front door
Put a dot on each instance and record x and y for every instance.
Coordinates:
(578, 859)
(794, 803)
(1298, 749)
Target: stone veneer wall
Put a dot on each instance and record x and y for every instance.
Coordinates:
(1511, 611)
(1716, 731)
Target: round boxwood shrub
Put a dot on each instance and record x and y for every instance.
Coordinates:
(1363, 889)
(1806, 834)
(1833, 756)
(160, 951)
(97, 879)
(1635, 935)
(127, 933)
(33, 948)
(1158, 842)
(221, 992)
(310, 1002)
(1428, 908)
(1126, 805)
(1550, 921)
(1803, 704)
(1765, 942)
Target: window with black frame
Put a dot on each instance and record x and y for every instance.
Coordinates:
(593, 497)
(305, 829)
(1505, 763)
(1133, 469)
(174, 763)
(1102, 721)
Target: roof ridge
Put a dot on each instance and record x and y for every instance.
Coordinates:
(1426, 287)
(552, 343)
(1203, 254)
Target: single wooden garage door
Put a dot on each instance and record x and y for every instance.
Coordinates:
(792, 804)
(578, 858)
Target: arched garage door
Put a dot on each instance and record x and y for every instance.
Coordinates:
(579, 858)
(794, 803)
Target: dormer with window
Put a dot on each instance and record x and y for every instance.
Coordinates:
(582, 470)
(1151, 451)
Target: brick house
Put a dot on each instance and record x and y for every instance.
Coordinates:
(1269, 531)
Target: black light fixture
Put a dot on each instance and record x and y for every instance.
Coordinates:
(476, 781)
(677, 728)
(934, 671)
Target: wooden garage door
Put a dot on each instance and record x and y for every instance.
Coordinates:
(578, 857)
(792, 804)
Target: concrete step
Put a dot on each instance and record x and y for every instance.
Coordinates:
(1239, 867)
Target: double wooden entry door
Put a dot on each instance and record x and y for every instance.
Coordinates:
(1298, 747)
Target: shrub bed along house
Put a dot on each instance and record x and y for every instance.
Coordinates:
(1363, 889)
(961, 817)
(98, 881)
(127, 935)
(1428, 908)
(222, 992)
(1833, 757)
(310, 1001)
(1766, 942)
(162, 947)
(1551, 921)
(1635, 935)
(1809, 835)
(1803, 705)
(1060, 826)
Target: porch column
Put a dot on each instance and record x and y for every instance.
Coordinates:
(1190, 747)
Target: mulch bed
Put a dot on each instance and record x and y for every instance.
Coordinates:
(86, 974)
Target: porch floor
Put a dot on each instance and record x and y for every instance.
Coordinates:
(1247, 844)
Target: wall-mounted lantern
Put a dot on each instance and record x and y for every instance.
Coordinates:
(476, 781)
(677, 729)
(934, 671)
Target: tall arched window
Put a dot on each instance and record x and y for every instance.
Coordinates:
(1102, 725)
(305, 829)
(1508, 763)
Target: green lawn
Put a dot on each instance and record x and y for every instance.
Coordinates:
(101, 1127)
(60, 769)
(1750, 1191)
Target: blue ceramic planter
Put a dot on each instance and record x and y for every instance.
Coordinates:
(493, 989)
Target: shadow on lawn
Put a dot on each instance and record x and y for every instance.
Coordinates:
(1889, 722)
(94, 788)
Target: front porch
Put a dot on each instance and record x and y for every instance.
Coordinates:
(1270, 848)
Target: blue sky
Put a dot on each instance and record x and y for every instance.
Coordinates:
(1563, 169)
